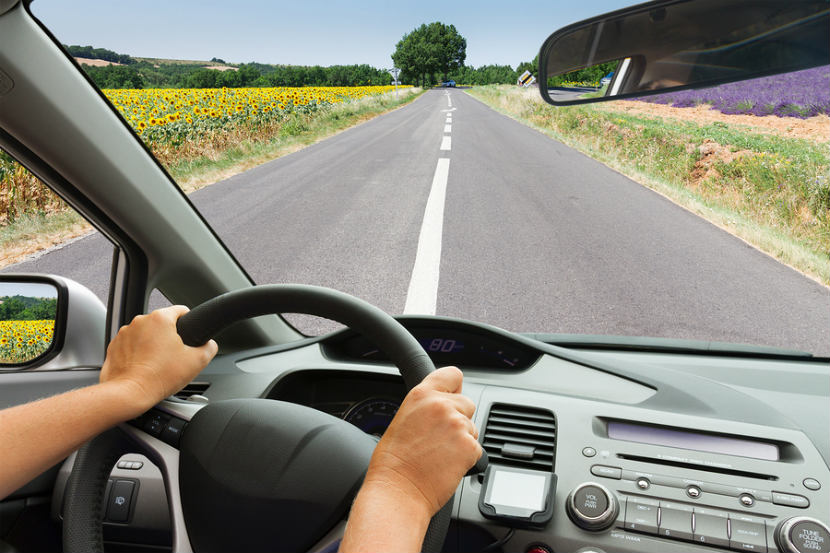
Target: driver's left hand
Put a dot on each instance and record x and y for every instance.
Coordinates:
(149, 359)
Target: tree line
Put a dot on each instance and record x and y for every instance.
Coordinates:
(98, 54)
(25, 308)
(428, 55)
(146, 75)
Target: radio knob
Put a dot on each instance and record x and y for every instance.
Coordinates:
(803, 535)
(592, 507)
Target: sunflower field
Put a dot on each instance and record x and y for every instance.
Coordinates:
(177, 114)
(22, 341)
(184, 125)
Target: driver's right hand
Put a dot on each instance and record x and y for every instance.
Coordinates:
(430, 444)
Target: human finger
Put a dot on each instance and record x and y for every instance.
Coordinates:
(462, 404)
(210, 348)
(445, 379)
(473, 429)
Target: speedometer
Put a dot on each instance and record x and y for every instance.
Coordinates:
(372, 415)
(446, 343)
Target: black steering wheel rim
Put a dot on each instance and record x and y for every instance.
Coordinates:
(84, 492)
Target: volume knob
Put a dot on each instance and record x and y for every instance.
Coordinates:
(803, 535)
(592, 507)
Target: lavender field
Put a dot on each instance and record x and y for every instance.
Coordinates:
(799, 94)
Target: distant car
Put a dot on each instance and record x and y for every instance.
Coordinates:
(606, 80)
(448, 84)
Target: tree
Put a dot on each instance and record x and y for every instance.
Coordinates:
(114, 76)
(532, 66)
(430, 49)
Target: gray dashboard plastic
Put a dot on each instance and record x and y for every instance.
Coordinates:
(782, 401)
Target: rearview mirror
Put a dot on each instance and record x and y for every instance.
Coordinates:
(674, 45)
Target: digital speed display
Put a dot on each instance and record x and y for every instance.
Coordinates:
(441, 345)
(448, 346)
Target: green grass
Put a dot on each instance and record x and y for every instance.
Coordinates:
(295, 133)
(771, 191)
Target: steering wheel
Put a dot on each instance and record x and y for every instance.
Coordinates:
(251, 474)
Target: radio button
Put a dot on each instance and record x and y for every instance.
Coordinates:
(812, 484)
(607, 472)
(592, 507)
(803, 535)
(748, 534)
(641, 514)
(693, 492)
(790, 500)
(746, 500)
(711, 527)
(675, 521)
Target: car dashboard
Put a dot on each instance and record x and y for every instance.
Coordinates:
(650, 450)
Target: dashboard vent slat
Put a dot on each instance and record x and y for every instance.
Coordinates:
(193, 389)
(512, 432)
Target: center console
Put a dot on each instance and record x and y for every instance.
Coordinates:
(676, 484)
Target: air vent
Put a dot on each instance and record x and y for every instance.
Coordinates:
(192, 389)
(521, 437)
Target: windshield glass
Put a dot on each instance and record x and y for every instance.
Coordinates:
(399, 153)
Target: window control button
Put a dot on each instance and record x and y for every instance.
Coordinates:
(120, 498)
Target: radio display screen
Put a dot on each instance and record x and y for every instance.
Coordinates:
(695, 441)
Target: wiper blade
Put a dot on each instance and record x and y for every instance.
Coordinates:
(668, 345)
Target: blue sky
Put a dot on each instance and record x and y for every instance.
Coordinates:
(306, 32)
(31, 289)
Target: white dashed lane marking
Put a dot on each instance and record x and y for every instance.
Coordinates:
(447, 128)
(446, 143)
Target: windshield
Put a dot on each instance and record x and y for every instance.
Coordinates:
(324, 148)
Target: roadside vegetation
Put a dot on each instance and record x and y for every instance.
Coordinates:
(772, 191)
(197, 152)
(418, 59)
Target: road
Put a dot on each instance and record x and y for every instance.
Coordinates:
(445, 206)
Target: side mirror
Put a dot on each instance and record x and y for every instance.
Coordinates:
(674, 45)
(49, 322)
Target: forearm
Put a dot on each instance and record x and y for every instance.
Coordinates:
(37, 435)
(385, 519)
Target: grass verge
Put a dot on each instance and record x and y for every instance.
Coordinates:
(36, 219)
(220, 155)
(773, 192)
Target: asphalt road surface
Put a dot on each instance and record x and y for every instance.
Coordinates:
(445, 206)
